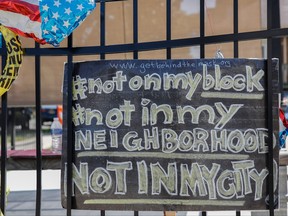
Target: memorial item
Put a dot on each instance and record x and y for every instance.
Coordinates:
(13, 61)
(45, 21)
(171, 135)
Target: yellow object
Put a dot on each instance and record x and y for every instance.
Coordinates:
(14, 59)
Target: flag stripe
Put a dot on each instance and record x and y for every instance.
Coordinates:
(282, 117)
(35, 2)
(22, 7)
(30, 35)
(20, 22)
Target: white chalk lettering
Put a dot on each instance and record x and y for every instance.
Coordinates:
(167, 180)
(195, 113)
(120, 172)
(135, 144)
(142, 177)
(135, 83)
(113, 138)
(192, 181)
(154, 79)
(151, 138)
(243, 167)
(238, 83)
(196, 180)
(100, 180)
(225, 178)
(226, 114)
(79, 179)
(83, 140)
(247, 80)
(169, 141)
(99, 137)
(79, 87)
(163, 108)
(259, 180)
(254, 80)
(209, 177)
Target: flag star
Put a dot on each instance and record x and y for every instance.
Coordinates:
(54, 28)
(45, 31)
(91, 2)
(55, 15)
(69, 1)
(77, 18)
(66, 23)
(57, 3)
(45, 7)
(46, 19)
(80, 7)
(68, 11)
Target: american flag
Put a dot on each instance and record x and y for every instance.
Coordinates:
(46, 21)
(283, 129)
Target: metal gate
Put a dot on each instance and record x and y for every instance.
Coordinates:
(272, 34)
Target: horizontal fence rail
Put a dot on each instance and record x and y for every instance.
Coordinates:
(155, 45)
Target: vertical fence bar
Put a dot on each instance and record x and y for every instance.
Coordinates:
(168, 27)
(135, 42)
(202, 28)
(12, 128)
(277, 41)
(3, 152)
(202, 43)
(102, 43)
(135, 28)
(236, 28)
(70, 144)
(102, 27)
(236, 42)
(4, 100)
(269, 103)
(38, 134)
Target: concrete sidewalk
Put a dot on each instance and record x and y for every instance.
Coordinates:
(22, 199)
(22, 203)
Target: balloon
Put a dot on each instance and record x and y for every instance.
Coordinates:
(45, 21)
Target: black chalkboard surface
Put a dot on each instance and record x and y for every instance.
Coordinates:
(170, 134)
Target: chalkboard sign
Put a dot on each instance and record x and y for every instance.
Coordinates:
(170, 134)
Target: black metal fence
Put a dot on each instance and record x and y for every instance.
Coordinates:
(273, 33)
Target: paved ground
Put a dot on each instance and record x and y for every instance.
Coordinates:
(21, 200)
(23, 204)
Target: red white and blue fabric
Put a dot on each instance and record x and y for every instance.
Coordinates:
(45, 21)
(283, 128)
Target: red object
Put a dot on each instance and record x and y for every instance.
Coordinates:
(23, 18)
(30, 153)
(60, 113)
(282, 117)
